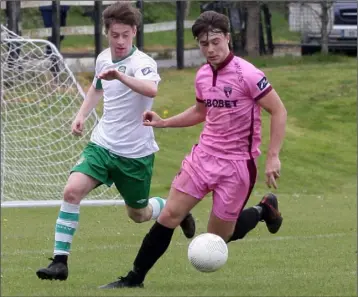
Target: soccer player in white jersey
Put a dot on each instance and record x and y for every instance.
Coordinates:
(121, 149)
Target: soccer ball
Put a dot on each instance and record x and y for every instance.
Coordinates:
(208, 252)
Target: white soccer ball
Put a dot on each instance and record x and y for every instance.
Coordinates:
(208, 252)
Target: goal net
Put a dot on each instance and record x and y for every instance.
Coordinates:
(40, 98)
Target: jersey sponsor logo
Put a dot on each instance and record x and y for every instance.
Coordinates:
(227, 91)
(219, 103)
(239, 72)
(122, 69)
(262, 84)
(147, 70)
(141, 201)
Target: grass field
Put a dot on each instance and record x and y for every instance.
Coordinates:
(315, 252)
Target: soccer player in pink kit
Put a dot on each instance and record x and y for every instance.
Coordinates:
(229, 95)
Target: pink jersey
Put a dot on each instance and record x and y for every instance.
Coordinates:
(233, 118)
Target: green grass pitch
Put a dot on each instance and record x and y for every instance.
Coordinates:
(314, 254)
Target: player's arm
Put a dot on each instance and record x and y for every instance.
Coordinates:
(273, 105)
(261, 91)
(93, 96)
(144, 82)
(192, 116)
(144, 87)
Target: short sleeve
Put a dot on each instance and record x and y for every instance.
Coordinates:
(257, 84)
(147, 69)
(97, 83)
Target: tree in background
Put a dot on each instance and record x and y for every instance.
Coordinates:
(187, 8)
(252, 27)
(325, 24)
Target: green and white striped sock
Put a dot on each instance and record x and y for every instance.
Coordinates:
(66, 226)
(157, 204)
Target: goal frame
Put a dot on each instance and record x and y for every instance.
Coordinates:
(44, 203)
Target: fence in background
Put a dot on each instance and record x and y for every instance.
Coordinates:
(285, 27)
(54, 14)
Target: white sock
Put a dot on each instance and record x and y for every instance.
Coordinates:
(157, 204)
(66, 226)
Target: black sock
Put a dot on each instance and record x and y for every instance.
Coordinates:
(61, 258)
(247, 221)
(154, 245)
(261, 210)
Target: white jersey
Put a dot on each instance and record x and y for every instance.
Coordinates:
(121, 129)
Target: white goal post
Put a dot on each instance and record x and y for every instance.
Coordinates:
(40, 97)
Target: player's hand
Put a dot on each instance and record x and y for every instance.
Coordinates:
(150, 118)
(78, 125)
(110, 74)
(273, 167)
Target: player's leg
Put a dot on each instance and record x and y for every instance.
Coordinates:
(82, 180)
(132, 178)
(229, 198)
(222, 227)
(237, 179)
(271, 214)
(187, 189)
(266, 210)
(156, 242)
(246, 175)
(159, 237)
(233, 229)
(152, 211)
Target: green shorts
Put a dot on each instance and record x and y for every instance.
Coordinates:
(132, 177)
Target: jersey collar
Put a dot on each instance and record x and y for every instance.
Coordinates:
(130, 53)
(227, 60)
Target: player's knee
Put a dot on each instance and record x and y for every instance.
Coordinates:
(171, 217)
(72, 194)
(138, 216)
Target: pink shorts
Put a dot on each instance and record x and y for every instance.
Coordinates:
(230, 181)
